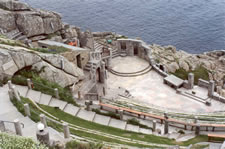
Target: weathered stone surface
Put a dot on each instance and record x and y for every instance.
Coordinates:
(7, 20)
(54, 75)
(30, 23)
(172, 67)
(87, 40)
(184, 65)
(13, 5)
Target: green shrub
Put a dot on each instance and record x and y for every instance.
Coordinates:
(16, 142)
(42, 85)
(110, 114)
(134, 121)
(181, 132)
(199, 72)
(76, 145)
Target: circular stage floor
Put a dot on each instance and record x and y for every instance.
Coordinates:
(148, 89)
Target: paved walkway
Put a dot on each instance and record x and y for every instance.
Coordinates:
(9, 112)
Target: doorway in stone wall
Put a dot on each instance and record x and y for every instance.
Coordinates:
(135, 50)
(78, 57)
(123, 46)
(98, 74)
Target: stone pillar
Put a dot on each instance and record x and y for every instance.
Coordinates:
(2, 126)
(17, 126)
(166, 124)
(16, 93)
(11, 95)
(211, 88)
(43, 120)
(102, 72)
(191, 79)
(130, 48)
(218, 89)
(27, 109)
(197, 129)
(79, 95)
(66, 130)
(154, 125)
(43, 136)
(121, 114)
(62, 64)
(56, 93)
(29, 83)
(10, 84)
(110, 58)
(88, 103)
(119, 46)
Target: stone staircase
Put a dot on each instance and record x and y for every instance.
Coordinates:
(115, 53)
(48, 100)
(98, 47)
(88, 66)
(9, 113)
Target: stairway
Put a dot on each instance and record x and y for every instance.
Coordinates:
(15, 35)
(115, 53)
(98, 47)
(88, 66)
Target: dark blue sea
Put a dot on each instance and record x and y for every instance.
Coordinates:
(194, 26)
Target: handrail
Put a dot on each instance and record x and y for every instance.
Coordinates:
(12, 122)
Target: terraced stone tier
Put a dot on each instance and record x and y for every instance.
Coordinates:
(22, 90)
(45, 99)
(134, 128)
(34, 95)
(86, 115)
(145, 131)
(57, 103)
(101, 119)
(117, 123)
(71, 109)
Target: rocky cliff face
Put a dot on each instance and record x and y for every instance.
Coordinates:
(213, 61)
(31, 22)
(13, 59)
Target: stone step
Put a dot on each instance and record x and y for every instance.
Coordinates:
(22, 90)
(45, 99)
(23, 37)
(101, 119)
(145, 131)
(117, 123)
(86, 115)
(133, 128)
(11, 33)
(173, 135)
(58, 103)
(71, 109)
(15, 36)
(34, 95)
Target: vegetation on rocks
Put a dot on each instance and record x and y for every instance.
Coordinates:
(74, 144)
(51, 49)
(16, 142)
(200, 73)
(111, 114)
(42, 85)
(134, 121)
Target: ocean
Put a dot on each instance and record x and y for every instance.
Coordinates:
(195, 26)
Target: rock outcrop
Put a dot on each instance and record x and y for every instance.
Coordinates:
(13, 59)
(31, 22)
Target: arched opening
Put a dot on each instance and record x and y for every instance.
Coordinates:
(98, 74)
(123, 46)
(135, 49)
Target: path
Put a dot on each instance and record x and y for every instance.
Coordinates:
(9, 112)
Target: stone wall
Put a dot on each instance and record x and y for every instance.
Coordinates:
(203, 83)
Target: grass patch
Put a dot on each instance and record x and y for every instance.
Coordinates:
(198, 146)
(74, 144)
(51, 49)
(199, 72)
(12, 43)
(42, 85)
(134, 121)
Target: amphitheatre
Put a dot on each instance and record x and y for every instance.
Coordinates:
(104, 88)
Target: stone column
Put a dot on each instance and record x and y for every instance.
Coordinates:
(197, 129)
(102, 72)
(110, 58)
(10, 84)
(43, 120)
(27, 110)
(119, 46)
(62, 64)
(2, 126)
(79, 95)
(88, 103)
(66, 130)
(56, 93)
(11, 95)
(17, 126)
(191, 79)
(43, 136)
(211, 88)
(131, 49)
(29, 83)
(121, 114)
(166, 124)
(16, 93)
(154, 125)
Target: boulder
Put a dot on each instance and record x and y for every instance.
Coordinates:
(172, 67)
(7, 20)
(54, 75)
(86, 39)
(184, 65)
(70, 32)
(14, 5)
(30, 23)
